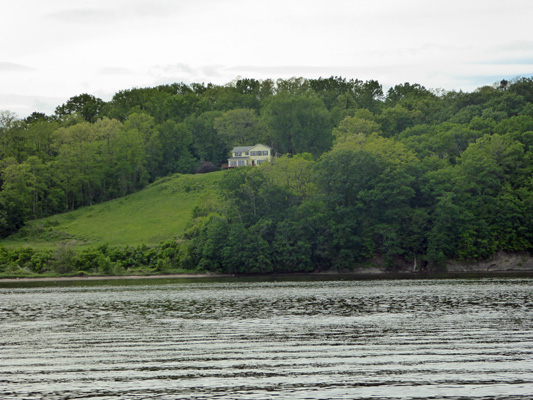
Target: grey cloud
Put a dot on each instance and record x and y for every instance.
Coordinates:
(121, 12)
(525, 61)
(509, 53)
(179, 68)
(280, 69)
(222, 74)
(267, 69)
(143, 9)
(520, 45)
(115, 71)
(287, 71)
(12, 67)
(84, 15)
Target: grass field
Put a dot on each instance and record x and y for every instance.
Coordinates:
(160, 211)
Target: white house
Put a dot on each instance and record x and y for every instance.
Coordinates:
(242, 156)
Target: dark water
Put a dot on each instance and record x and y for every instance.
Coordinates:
(453, 339)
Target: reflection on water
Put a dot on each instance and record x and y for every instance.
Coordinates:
(261, 340)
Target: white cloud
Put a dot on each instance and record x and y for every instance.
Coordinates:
(114, 71)
(25, 105)
(61, 48)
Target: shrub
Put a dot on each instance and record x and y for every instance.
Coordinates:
(205, 167)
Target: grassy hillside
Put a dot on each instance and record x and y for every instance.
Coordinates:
(159, 212)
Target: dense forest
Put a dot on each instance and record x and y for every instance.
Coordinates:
(411, 175)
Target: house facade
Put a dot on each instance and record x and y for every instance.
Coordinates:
(242, 156)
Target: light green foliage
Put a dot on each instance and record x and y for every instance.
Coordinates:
(11, 136)
(239, 127)
(292, 173)
(444, 140)
(355, 125)
(161, 211)
(389, 149)
(395, 120)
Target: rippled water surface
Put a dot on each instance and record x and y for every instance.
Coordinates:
(261, 340)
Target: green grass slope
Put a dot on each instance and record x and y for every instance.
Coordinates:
(160, 211)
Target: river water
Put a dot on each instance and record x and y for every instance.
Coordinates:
(286, 339)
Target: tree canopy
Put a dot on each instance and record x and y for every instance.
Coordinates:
(407, 174)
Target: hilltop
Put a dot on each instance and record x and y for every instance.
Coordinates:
(160, 211)
(413, 177)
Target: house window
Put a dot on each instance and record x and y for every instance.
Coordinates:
(237, 154)
(242, 163)
(259, 153)
(259, 162)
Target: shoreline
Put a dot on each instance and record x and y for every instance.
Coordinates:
(310, 275)
(110, 277)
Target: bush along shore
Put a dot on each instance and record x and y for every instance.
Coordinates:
(66, 260)
(165, 261)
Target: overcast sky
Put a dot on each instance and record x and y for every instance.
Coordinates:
(56, 49)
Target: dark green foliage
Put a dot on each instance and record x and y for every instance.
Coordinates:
(297, 124)
(368, 204)
(228, 247)
(483, 205)
(207, 145)
(415, 174)
(522, 87)
(206, 167)
(85, 105)
(330, 89)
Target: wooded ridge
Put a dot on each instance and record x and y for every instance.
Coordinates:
(414, 176)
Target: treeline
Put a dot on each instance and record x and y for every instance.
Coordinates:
(370, 196)
(420, 179)
(91, 151)
(412, 175)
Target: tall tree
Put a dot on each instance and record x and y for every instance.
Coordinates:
(174, 141)
(85, 105)
(12, 143)
(297, 124)
(239, 127)
(368, 204)
(207, 144)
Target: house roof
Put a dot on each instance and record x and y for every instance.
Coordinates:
(239, 158)
(241, 149)
(264, 145)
